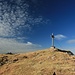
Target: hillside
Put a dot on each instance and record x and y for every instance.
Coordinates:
(42, 62)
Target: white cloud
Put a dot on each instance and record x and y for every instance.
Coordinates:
(15, 20)
(16, 17)
(71, 41)
(11, 45)
(60, 36)
(29, 43)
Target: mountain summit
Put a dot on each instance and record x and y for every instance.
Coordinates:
(42, 62)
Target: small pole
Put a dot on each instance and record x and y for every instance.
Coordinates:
(52, 39)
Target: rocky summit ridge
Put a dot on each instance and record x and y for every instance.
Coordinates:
(41, 62)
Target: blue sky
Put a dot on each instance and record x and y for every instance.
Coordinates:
(26, 25)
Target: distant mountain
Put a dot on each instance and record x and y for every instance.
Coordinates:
(42, 62)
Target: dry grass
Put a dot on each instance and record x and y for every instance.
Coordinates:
(42, 62)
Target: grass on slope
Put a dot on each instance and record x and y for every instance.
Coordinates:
(43, 62)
